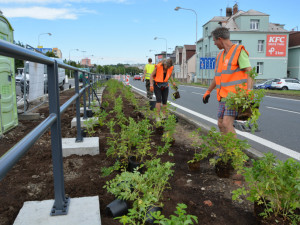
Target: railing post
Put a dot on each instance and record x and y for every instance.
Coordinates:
(84, 97)
(61, 202)
(89, 83)
(79, 137)
(93, 86)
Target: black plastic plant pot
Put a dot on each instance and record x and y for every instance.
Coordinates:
(223, 170)
(152, 104)
(176, 94)
(89, 113)
(133, 164)
(150, 219)
(116, 208)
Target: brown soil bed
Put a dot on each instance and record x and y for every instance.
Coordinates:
(31, 179)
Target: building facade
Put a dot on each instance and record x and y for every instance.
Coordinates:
(57, 52)
(266, 43)
(178, 60)
(294, 55)
(86, 62)
(183, 56)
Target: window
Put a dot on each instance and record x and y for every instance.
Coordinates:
(260, 46)
(254, 24)
(237, 42)
(259, 67)
(206, 31)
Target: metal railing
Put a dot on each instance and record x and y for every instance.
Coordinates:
(53, 121)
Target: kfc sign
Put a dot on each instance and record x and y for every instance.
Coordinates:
(276, 45)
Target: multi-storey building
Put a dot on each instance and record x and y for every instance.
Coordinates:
(57, 52)
(294, 55)
(266, 42)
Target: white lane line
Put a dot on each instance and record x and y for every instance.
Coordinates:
(283, 98)
(197, 93)
(283, 110)
(269, 144)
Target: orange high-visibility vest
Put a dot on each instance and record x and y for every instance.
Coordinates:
(228, 74)
(160, 73)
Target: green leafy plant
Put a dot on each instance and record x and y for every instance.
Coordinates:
(180, 218)
(90, 123)
(168, 125)
(132, 140)
(228, 149)
(243, 100)
(145, 190)
(275, 185)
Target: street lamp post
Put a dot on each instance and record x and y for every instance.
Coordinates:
(40, 35)
(166, 44)
(177, 8)
(76, 49)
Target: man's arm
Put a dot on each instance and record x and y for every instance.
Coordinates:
(244, 64)
(250, 81)
(212, 86)
(208, 91)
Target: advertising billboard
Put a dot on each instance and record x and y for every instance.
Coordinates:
(276, 45)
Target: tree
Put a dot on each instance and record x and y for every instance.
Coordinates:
(51, 54)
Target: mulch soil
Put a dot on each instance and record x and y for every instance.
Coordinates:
(31, 179)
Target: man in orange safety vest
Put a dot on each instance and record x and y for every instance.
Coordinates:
(231, 66)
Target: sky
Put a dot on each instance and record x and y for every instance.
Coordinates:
(123, 31)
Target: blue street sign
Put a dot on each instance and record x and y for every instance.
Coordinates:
(207, 63)
(202, 63)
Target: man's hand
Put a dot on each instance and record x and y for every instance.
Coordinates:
(143, 79)
(151, 88)
(206, 97)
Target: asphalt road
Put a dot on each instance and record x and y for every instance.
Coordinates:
(278, 125)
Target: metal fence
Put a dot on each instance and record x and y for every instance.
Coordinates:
(53, 121)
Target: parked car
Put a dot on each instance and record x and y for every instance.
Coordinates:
(263, 85)
(137, 77)
(286, 84)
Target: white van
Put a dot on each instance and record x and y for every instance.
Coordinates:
(61, 78)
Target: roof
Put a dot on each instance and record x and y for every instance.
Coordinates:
(232, 26)
(252, 12)
(190, 47)
(219, 18)
(276, 28)
(294, 39)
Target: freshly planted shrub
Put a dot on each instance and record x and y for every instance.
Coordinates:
(226, 146)
(145, 190)
(275, 185)
(180, 218)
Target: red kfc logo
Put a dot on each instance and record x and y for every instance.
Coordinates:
(276, 45)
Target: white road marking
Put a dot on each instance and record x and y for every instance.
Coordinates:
(197, 93)
(283, 98)
(283, 110)
(269, 144)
